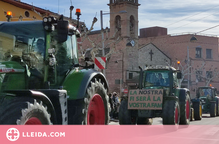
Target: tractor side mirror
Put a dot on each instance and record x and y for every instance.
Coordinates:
(179, 75)
(62, 29)
(215, 92)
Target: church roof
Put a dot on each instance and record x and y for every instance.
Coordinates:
(156, 48)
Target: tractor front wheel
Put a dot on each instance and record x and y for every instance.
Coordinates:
(185, 111)
(197, 110)
(213, 109)
(96, 108)
(217, 107)
(125, 117)
(171, 112)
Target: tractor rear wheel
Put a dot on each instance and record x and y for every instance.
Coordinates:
(171, 112)
(95, 109)
(197, 110)
(24, 111)
(125, 117)
(185, 111)
(213, 109)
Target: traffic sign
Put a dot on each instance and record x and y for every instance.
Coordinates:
(100, 62)
(126, 91)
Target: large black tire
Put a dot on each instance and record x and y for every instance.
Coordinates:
(144, 121)
(24, 111)
(213, 109)
(125, 117)
(171, 112)
(217, 107)
(185, 111)
(95, 108)
(197, 106)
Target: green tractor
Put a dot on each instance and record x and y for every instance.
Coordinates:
(158, 95)
(41, 81)
(206, 101)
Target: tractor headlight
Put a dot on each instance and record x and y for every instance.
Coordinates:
(50, 19)
(45, 19)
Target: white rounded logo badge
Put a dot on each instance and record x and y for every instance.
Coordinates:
(12, 134)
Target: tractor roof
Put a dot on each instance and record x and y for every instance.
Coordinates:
(160, 67)
(13, 27)
(206, 87)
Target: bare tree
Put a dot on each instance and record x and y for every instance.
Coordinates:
(96, 46)
(210, 75)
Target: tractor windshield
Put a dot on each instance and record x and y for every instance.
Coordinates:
(65, 52)
(205, 92)
(23, 42)
(156, 78)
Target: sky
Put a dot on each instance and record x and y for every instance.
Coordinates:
(197, 16)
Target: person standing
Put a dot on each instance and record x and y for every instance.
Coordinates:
(160, 79)
(111, 105)
(116, 105)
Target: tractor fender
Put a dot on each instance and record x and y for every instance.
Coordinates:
(171, 98)
(182, 94)
(216, 98)
(38, 96)
(195, 100)
(77, 81)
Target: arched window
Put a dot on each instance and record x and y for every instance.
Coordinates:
(118, 25)
(118, 22)
(132, 24)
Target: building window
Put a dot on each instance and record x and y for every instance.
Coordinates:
(208, 53)
(118, 22)
(209, 74)
(118, 26)
(27, 14)
(132, 25)
(198, 76)
(117, 81)
(198, 53)
(130, 75)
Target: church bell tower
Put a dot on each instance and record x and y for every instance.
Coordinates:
(124, 29)
(124, 18)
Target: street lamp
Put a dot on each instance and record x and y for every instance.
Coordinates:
(101, 23)
(193, 39)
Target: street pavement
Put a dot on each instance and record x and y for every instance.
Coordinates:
(205, 131)
(206, 120)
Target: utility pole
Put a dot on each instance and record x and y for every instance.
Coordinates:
(188, 61)
(101, 23)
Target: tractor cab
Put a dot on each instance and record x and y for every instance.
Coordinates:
(206, 93)
(36, 54)
(161, 77)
